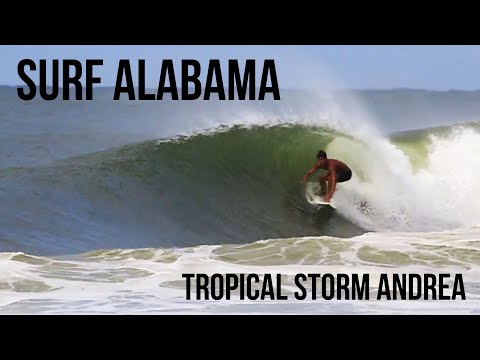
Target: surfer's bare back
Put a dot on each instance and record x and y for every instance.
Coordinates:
(337, 172)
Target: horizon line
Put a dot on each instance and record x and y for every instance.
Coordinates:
(404, 88)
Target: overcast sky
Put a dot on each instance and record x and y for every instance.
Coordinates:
(359, 66)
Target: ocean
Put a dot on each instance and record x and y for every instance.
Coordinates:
(105, 204)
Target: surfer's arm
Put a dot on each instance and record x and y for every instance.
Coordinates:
(310, 172)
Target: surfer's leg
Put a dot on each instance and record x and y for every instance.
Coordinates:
(323, 185)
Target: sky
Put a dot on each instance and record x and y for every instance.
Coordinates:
(351, 66)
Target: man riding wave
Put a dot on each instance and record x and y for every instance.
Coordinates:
(337, 172)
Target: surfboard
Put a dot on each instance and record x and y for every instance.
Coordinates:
(313, 198)
(317, 200)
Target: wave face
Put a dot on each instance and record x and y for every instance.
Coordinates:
(243, 184)
(236, 185)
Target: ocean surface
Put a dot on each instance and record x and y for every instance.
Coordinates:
(104, 204)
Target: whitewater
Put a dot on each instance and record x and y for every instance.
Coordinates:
(105, 205)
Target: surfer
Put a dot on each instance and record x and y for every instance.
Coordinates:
(337, 172)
